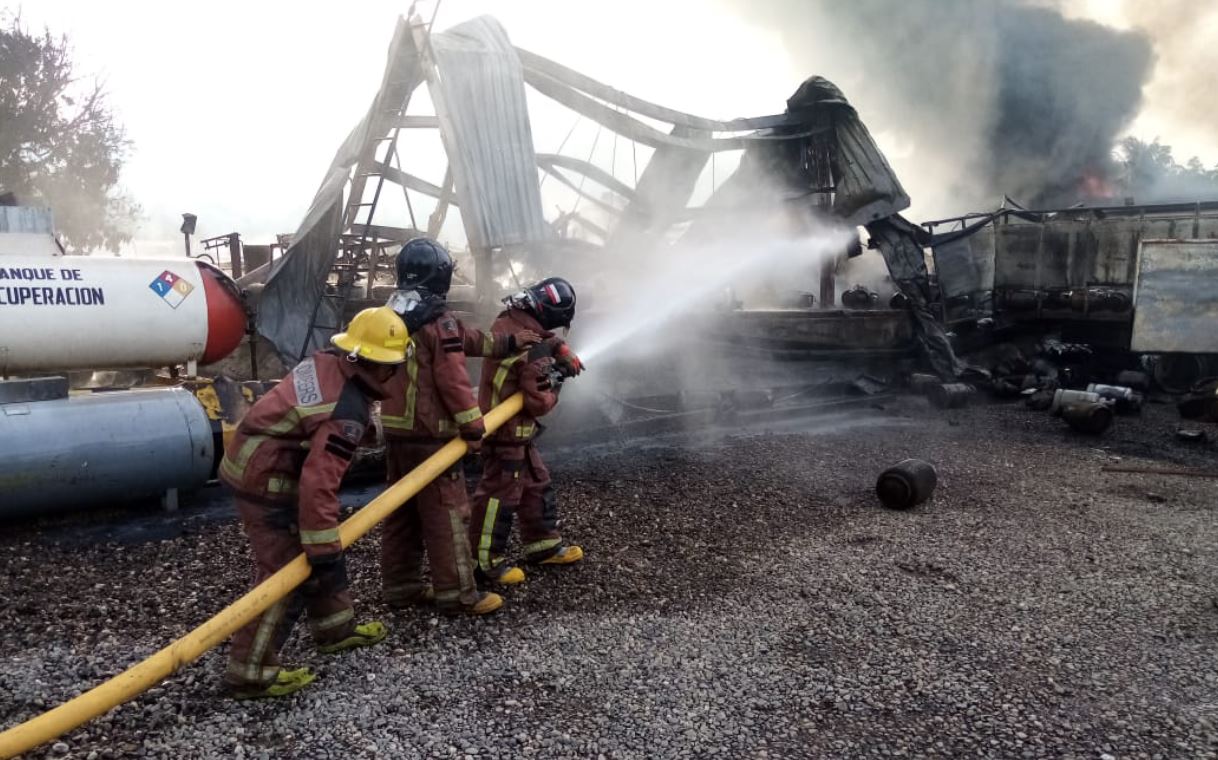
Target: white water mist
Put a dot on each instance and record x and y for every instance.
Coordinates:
(682, 278)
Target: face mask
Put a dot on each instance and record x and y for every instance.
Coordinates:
(405, 301)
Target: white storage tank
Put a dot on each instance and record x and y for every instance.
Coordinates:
(80, 312)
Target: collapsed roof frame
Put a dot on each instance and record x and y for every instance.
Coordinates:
(816, 154)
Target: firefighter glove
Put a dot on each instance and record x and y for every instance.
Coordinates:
(568, 361)
(472, 433)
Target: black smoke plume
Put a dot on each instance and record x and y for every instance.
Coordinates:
(992, 98)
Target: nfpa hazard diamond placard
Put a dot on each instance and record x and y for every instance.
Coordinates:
(171, 287)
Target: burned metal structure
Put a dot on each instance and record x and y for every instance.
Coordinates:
(1129, 278)
(813, 164)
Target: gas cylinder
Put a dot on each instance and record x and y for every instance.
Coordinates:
(1090, 417)
(1062, 397)
(1126, 399)
(100, 449)
(951, 395)
(906, 484)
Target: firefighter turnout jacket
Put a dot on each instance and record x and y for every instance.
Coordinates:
(438, 402)
(296, 443)
(525, 371)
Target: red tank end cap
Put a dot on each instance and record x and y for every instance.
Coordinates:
(225, 314)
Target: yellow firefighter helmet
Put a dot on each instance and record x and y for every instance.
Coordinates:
(378, 335)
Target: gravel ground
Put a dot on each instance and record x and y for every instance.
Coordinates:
(743, 597)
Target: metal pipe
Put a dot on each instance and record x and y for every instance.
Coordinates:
(144, 675)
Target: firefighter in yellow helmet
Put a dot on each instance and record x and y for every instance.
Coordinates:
(285, 464)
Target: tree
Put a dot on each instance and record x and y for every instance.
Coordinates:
(1150, 173)
(60, 145)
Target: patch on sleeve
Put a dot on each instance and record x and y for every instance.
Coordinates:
(304, 381)
(352, 431)
(448, 324)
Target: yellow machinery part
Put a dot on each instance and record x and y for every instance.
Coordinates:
(205, 392)
(140, 677)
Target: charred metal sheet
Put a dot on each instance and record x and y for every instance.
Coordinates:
(1175, 303)
(965, 267)
(490, 144)
(1038, 253)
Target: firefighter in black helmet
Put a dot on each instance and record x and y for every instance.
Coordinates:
(425, 273)
(515, 481)
(432, 403)
(551, 301)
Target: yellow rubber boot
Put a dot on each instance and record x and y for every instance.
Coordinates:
(486, 605)
(501, 573)
(512, 576)
(565, 556)
(286, 682)
(364, 635)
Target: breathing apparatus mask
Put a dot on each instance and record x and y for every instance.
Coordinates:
(416, 307)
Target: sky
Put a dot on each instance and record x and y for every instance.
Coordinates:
(236, 108)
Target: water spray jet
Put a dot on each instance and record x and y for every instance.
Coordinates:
(691, 274)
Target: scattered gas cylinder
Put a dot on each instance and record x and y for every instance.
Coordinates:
(920, 382)
(906, 484)
(951, 395)
(1063, 397)
(1090, 417)
(1126, 399)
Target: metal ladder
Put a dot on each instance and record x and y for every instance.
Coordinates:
(347, 264)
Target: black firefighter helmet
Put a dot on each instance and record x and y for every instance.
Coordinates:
(551, 301)
(424, 265)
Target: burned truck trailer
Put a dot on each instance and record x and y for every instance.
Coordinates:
(1137, 278)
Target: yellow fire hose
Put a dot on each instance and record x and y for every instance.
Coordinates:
(144, 675)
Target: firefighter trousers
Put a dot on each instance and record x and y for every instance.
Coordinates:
(275, 541)
(515, 483)
(435, 521)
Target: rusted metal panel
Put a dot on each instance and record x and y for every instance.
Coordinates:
(1116, 251)
(1015, 261)
(1175, 301)
(965, 268)
(1056, 250)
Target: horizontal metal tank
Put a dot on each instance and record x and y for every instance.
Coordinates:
(101, 450)
(83, 312)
